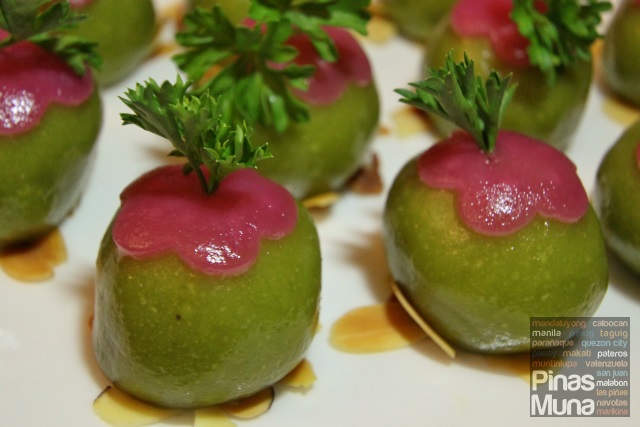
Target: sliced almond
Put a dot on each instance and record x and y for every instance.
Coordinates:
(118, 409)
(380, 30)
(321, 201)
(420, 321)
(302, 376)
(375, 328)
(35, 262)
(252, 406)
(212, 417)
(618, 110)
(408, 122)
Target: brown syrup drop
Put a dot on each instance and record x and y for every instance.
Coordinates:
(375, 328)
(619, 111)
(35, 262)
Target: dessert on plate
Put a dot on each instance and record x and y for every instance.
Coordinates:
(46, 83)
(197, 300)
(488, 228)
(309, 86)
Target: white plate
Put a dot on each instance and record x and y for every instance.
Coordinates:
(48, 376)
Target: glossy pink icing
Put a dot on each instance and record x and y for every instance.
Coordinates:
(30, 80)
(491, 19)
(501, 192)
(166, 211)
(331, 79)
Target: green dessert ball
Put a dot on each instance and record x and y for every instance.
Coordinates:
(322, 154)
(480, 291)
(176, 337)
(618, 197)
(620, 61)
(45, 170)
(124, 31)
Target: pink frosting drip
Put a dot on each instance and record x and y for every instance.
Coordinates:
(166, 211)
(490, 18)
(30, 80)
(332, 78)
(501, 192)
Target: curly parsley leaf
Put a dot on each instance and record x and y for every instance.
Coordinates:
(309, 16)
(455, 93)
(258, 90)
(196, 127)
(559, 31)
(254, 64)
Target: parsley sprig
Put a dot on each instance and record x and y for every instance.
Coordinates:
(455, 93)
(197, 128)
(309, 16)
(254, 64)
(43, 22)
(560, 35)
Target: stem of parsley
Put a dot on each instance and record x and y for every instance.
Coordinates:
(197, 128)
(455, 93)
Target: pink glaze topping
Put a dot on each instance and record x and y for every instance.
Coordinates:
(166, 211)
(490, 19)
(501, 192)
(332, 78)
(30, 80)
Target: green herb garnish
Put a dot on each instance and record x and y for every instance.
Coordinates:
(309, 16)
(42, 22)
(197, 128)
(455, 93)
(259, 90)
(560, 35)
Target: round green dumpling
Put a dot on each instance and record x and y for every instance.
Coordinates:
(479, 291)
(176, 337)
(618, 197)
